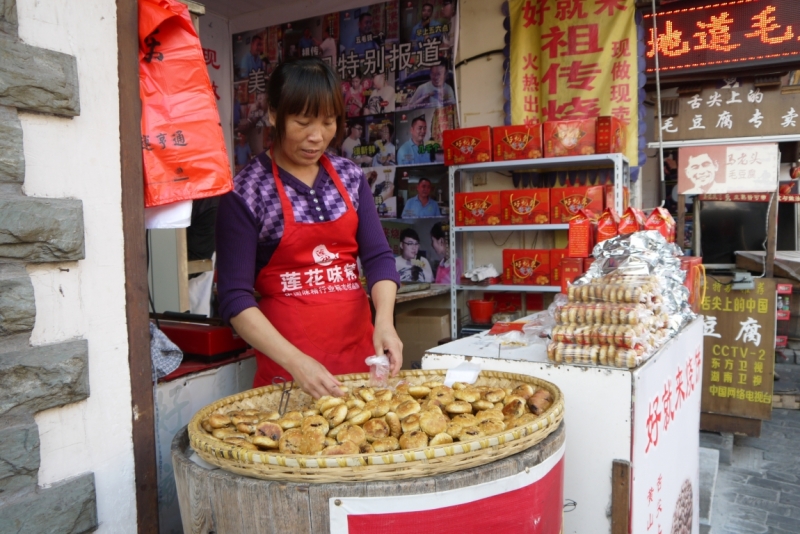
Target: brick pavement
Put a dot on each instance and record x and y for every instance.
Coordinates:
(760, 491)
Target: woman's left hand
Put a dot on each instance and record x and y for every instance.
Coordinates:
(387, 342)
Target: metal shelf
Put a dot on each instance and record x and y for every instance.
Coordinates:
(511, 228)
(510, 287)
(570, 162)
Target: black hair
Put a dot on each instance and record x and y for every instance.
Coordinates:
(440, 230)
(390, 126)
(423, 179)
(418, 118)
(364, 14)
(427, 4)
(409, 232)
(305, 86)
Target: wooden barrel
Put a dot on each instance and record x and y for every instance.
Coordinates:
(214, 501)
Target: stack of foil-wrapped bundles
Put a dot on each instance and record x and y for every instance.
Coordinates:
(627, 305)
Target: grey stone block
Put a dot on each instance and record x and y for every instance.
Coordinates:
(19, 454)
(12, 159)
(39, 378)
(786, 523)
(69, 508)
(17, 304)
(8, 17)
(36, 79)
(721, 442)
(709, 465)
(40, 230)
(763, 504)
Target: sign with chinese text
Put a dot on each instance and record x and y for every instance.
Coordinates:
(575, 60)
(735, 107)
(739, 344)
(665, 490)
(713, 36)
(718, 169)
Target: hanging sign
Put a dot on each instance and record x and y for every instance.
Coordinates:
(735, 107)
(739, 348)
(575, 60)
(713, 36)
(727, 169)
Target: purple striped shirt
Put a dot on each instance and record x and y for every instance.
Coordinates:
(250, 225)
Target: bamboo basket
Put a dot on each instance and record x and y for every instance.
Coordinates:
(400, 464)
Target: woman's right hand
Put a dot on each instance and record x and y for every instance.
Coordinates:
(313, 377)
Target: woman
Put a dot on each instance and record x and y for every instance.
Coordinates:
(409, 264)
(354, 97)
(292, 228)
(440, 241)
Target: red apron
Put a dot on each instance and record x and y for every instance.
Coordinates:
(311, 291)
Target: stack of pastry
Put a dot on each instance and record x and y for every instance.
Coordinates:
(367, 420)
(614, 320)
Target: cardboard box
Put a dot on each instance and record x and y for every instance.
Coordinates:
(467, 145)
(525, 206)
(566, 202)
(611, 135)
(568, 138)
(571, 269)
(631, 221)
(556, 255)
(478, 209)
(420, 330)
(506, 302)
(607, 225)
(517, 142)
(526, 267)
(582, 234)
(661, 220)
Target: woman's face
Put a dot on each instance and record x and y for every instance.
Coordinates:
(439, 245)
(306, 138)
(385, 134)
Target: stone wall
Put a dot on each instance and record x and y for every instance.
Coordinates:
(35, 231)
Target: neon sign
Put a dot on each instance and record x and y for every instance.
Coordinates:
(723, 36)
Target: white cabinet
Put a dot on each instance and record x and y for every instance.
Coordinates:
(459, 176)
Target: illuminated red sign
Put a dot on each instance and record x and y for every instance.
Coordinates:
(723, 36)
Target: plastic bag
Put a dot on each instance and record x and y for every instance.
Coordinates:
(183, 147)
(379, 368)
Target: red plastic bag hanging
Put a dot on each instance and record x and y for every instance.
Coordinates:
(182, 142)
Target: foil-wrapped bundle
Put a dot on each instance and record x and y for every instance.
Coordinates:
(627, 305)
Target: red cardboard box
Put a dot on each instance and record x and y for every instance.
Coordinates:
(607, 225)
(566, 202)
(478, 209)
(556, 255)
(517, 142)
(526, 267)
(631, 221)
(691, 264)
(609, 201)
(525, 206)
(587, 262)
(582, 230)
(781, 341)
(784, 289)
(611, 135)
(568, 138)
(467, 145)
(661, 220)
(506, 302)
(571, 269)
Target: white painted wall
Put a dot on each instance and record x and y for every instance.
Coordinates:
(80, 158)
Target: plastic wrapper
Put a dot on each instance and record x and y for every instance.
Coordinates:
(595, 355)
(603, 313)
(624, 336)
(379, 368)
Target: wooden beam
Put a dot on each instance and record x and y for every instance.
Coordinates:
(772, 235)
(714, 422)
(620, 496)
(130, 109)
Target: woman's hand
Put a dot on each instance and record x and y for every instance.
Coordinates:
(387, 342)
(313, 377)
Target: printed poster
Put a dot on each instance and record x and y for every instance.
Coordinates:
(728, 169)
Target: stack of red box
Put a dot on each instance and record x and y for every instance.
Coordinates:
(611, 136)
(478, 209)
(571, 269)
(582, 234)
(566, 202)
(517, 142)
(467, 145)
(556, 255)
(525, 206)
(526, 267)
(569, 138)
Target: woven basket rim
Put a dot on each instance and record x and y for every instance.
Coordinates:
(236, 459)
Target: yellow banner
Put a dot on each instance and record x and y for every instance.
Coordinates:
(575, 59)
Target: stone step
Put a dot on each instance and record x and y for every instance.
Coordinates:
(721, 442)
(709, 466)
